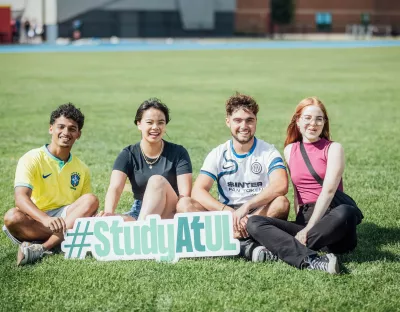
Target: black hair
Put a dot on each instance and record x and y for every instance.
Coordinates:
(69, 111)
(152, 103)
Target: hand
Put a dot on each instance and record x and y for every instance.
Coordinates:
(302, 236)
(104, 214)
(55, 224)
(243, 227)
(237, 216)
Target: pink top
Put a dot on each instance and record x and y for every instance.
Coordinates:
(308, 189)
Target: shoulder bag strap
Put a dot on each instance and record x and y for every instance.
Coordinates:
(308, 163)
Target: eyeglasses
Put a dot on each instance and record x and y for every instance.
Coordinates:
(307, 119)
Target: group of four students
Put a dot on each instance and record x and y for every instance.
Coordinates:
(52, 187)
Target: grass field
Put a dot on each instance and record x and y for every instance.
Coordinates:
(361, 90)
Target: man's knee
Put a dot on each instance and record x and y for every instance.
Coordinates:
(14, 218)
(279, 208)
(91, 202)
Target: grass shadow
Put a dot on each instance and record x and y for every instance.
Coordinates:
(372, 240)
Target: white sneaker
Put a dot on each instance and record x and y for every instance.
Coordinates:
(327, 263)
(30, 253)
(262, 254)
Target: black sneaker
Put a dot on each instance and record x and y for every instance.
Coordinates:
(262, 254)
(327, 263)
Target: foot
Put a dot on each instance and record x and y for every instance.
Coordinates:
(327, 263)
(262, 254)
(30, 253)
(246, 248)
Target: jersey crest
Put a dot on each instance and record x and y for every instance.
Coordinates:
(75, 178)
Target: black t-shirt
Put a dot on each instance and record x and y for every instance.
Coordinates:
(173, 161)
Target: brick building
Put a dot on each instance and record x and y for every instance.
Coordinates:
(252, 16)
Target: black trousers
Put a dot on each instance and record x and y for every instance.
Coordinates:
(335, 232)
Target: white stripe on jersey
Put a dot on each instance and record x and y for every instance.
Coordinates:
(240, 177)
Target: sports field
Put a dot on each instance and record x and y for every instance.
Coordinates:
(361, 90)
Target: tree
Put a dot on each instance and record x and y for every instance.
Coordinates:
(282, 12)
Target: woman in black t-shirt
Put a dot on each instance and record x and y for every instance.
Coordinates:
(160, 172)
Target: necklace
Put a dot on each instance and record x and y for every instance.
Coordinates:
(151, 161)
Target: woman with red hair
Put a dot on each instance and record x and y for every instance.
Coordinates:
(318, 226)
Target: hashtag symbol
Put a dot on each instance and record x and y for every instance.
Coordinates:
(75, 244)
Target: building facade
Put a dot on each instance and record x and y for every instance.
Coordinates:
(253, 16)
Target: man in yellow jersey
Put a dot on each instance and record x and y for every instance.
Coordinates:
(52, 189)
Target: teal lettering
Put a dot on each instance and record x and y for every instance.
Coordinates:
(98, 227)
(145, 230)
(197, 226)
(128, 242)
(183, 236)
(115, 230)
(213, 232)
(153, 234)
(171, 242)
(226, 234)
(136, 240)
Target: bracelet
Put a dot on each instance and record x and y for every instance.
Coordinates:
(223, 208)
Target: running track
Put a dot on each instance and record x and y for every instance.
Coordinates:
(186, 45)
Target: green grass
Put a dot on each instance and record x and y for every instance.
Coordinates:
(361, 90)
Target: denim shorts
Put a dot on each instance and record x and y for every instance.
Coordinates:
(135, 209)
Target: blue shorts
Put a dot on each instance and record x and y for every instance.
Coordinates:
(135, 209)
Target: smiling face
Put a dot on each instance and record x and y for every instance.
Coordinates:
(311, 123)
(242, 124)
(152, 125)
(64, 132)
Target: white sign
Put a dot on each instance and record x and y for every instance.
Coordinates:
(200, 234)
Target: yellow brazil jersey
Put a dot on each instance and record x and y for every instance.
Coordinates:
(54, 183)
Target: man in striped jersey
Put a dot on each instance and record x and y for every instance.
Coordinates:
(250, 174)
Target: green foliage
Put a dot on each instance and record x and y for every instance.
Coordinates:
(361, 92)
(282, 11)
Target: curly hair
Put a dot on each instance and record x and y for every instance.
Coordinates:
(152, 103)
(69, 111)
(241, 101)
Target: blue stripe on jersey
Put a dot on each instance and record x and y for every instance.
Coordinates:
(221, 174)
(276, 167)
(209, 174)
(248, 153)
(276, 161)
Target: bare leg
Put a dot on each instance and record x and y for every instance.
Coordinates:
(84, 206)
(159, 198)
(25, 228)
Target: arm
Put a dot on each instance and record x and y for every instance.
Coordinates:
(334, 172)
(287, 151)
(296, 201)
(278, 186)
(184, 184)
(201, 193)
(24, 203)
(117, 183)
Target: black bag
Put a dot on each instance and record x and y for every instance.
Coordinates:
(340, 197)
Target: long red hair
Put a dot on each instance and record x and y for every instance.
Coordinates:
(293, 133)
